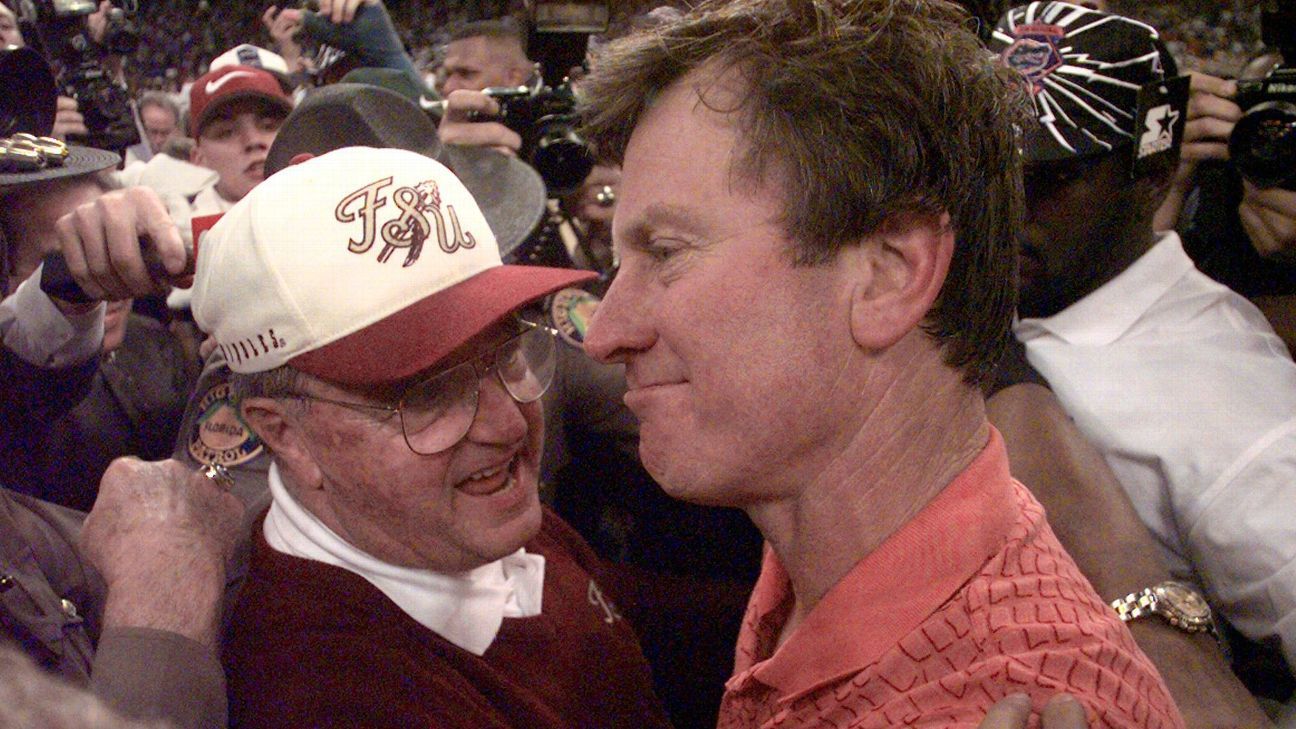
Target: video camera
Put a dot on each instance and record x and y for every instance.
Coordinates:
(1263, 143)
(543, 112)
(57, 29)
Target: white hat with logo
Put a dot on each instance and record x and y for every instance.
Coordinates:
(359, 266)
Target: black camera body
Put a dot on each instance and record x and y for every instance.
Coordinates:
(1263, 143)
(59, 28)
(543, 112)
(545, 117)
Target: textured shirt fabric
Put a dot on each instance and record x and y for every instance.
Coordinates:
(970, 601)
(314, 645)
(1184, 388)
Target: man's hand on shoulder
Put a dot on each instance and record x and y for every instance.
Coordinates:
(1014, 712)
(160, 534)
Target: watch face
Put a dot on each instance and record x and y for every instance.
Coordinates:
(1185, 601)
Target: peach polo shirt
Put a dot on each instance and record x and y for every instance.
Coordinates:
(971, 600)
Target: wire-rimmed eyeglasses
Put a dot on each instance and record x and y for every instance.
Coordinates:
(437, 412)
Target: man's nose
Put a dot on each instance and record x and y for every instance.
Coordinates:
(620, 326)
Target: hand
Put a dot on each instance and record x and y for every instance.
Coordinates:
(459, 123)
(1211, 118)
(160, 534)
(282, 26)
(97, 22)
(67, 119)
(1269, 217)
(100, 241)
(1013, 712)
(587, 204)
(342, 11)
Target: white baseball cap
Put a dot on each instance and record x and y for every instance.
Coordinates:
(359, 266)
(250, 55)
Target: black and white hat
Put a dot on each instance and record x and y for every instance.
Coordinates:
(1098, 82)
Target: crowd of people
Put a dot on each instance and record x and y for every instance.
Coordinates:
(892, 363)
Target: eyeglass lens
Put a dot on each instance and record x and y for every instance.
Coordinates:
(437, 412)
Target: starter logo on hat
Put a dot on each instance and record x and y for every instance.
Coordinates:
(1034, 54)
(1159, 123)
(411, 228)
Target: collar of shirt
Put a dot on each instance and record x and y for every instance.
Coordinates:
(465, 608)
(891, 591)
(1108, 312)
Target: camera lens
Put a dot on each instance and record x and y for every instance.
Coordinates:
(1263, 145)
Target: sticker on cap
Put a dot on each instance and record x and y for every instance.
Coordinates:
(220, 437)
(571, 311)
(1034, 54)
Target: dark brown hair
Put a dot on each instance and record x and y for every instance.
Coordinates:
(867, 112)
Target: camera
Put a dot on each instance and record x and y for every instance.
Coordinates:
(60, 32)
(1263, 143)
(543, 112)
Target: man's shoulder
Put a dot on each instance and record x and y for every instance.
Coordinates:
(1028, 621)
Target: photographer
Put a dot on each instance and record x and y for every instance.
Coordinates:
(1238, 232)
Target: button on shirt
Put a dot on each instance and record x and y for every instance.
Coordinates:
(1191, 398)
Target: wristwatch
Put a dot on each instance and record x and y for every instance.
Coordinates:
(1181, 606)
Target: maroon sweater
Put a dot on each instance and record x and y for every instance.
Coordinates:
(314, 645)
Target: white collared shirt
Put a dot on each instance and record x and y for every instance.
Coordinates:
(466, 608)
(1191, 398)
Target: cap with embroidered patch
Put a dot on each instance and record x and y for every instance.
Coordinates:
(214, 89)
(1086, 71)
(361, 265)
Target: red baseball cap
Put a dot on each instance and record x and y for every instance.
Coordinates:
(215, 89)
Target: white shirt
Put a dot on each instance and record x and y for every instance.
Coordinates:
(33, 328)
(466, 608)
(1191, 398)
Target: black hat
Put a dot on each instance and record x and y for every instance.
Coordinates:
(30, 97)
(1097, 81)
(510, 194)
(26, 160)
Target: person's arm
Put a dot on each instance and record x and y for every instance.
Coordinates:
(359, 27)
(1095, 521)
(160, 535)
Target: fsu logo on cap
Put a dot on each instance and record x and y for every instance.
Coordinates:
(419, 210)
(1034, 54)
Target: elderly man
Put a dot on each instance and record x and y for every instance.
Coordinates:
(405, 572)
(815, 228)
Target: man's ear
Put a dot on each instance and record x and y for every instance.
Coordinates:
(282, 432)
(901, 270)
(196, 156)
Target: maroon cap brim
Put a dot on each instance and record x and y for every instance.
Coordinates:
(423, 333)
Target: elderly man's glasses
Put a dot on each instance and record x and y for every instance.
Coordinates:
(437, 412)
